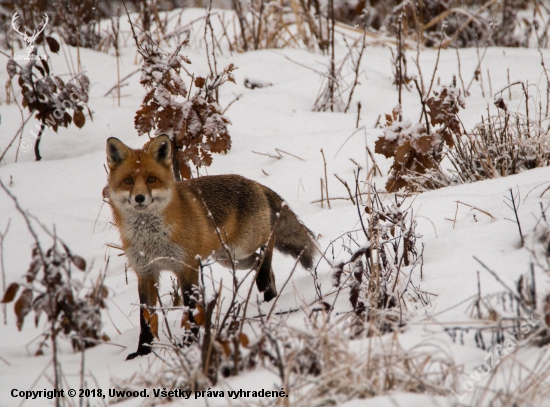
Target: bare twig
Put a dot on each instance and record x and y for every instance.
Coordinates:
(476, 209)
(286, 282)
(119, 83)
(347, 188)
(514, 206)
(2, 239)
(230, 103)
(326, 178)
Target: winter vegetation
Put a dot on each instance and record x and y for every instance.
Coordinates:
(412, 137)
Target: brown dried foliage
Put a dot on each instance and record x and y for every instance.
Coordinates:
(466, 24)
(195, 124)
(414, 150)
(50, 289)
(48, 95)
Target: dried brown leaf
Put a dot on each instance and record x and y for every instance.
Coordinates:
(199, 316)
(10, 293)
(79, 262)
(11, 68)
(200, 82)
(53, 45)
(403, 152)
(78, 118)
(243, 339)
(23, 306)
(501, 105)
(422, 145)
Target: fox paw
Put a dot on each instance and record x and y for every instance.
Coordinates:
(142, 350)
(269, 294)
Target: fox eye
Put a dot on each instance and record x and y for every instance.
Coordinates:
(150, 180)
(128, 181)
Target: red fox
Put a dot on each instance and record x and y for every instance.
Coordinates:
(169, 225)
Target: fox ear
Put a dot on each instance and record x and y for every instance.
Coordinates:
(117, 152)
(161, 150)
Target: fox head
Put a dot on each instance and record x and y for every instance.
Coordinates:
(140, 180)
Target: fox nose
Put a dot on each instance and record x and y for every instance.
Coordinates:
(140, 198)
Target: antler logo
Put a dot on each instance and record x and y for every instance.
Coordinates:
(29, 39)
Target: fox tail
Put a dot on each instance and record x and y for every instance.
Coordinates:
(292, 237)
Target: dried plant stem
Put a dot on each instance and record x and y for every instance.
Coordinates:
(512, 292)
(2, 267)
(434, 71)
(476, 209)
(525, 87)
(326, 177)
(480, 74)
(222, 23)
(357, 203)
(285, 283)
(423, 103)
(27, 221)
(237, 6)
(478, 67)
(166, 323)
(322, 194)
(376, 167)
(514, 207)
(347, 188)
(56, 366)
(490, 85)
(460, 71)
(82, 367)
(206, 26)
(208, 340)
(399, 65)
(332, 68)
(478, 300)
(357, 72)
(120, 82)
(456, 213)
(279, 155)
(20, 131)
(230, 103)
(375, 266)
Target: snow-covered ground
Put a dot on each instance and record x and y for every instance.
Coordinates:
(64, 190)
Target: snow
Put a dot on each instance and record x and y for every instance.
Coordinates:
(64, 190)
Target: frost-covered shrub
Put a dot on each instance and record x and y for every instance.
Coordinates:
(53, 101)
(417, 148)
(50, 288)
(446, 22)
(195, 124)
(501, 145)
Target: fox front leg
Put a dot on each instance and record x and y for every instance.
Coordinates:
(188, 280)
(148, 299)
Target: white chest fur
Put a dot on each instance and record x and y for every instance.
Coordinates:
(151, 250)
